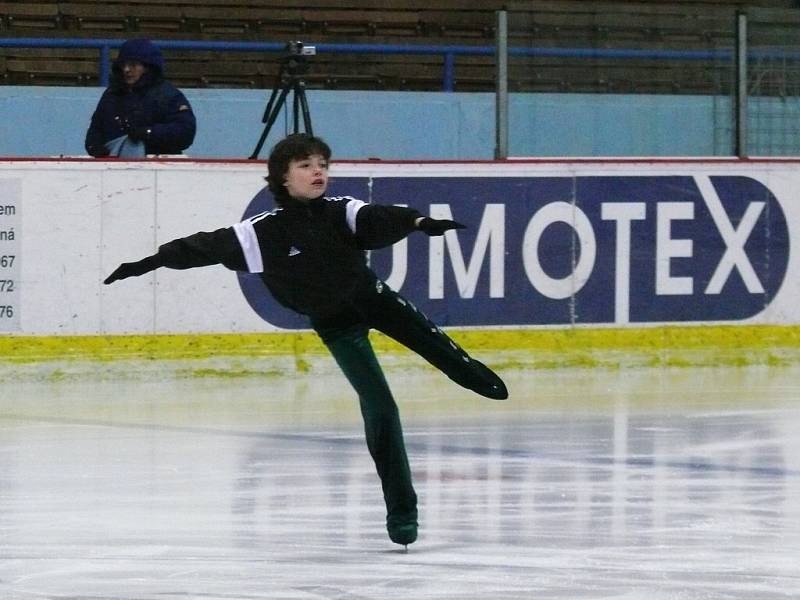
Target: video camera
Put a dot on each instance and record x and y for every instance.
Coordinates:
(300, 49)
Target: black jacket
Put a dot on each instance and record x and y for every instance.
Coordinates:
(158, 106)
(152, 104)
(311, 255)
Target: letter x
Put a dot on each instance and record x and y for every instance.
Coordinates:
(734, 239)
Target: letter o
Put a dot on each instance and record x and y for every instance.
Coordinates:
(550, 287)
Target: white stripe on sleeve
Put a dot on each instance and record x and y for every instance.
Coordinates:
(249, 243)
(352, 209)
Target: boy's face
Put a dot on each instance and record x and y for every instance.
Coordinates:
(307, 178)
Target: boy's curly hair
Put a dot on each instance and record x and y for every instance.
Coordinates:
(296, 146)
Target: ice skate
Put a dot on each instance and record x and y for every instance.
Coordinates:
(402, 530)
(488, 384)
(403, 534)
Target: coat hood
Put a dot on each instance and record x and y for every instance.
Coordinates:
(142, 50)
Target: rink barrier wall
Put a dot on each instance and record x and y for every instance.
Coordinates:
(457, 125)
(671, 261)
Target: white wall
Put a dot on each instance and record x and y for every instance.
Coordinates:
(74, 221)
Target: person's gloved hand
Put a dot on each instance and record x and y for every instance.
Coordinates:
(138, 134)
(124, 123)
(438, 226)
(132, 269)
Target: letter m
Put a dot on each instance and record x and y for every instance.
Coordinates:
(491, 236)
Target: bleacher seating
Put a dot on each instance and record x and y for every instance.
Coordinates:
(640, 24)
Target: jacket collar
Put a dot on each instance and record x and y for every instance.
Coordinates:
(310, 205)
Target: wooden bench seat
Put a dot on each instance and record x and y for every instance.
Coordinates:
(100, 18)
(21, 17)
(613, 24)
(48, 71)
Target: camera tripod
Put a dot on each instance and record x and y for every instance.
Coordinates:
(293, 66)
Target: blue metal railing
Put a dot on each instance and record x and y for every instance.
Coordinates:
(104, 47)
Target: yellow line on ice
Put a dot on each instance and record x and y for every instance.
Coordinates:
(542, 348)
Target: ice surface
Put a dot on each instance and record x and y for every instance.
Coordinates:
(639, 484)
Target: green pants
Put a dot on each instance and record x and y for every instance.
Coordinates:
(346, 336)
(353, 353)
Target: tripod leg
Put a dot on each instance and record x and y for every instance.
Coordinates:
(300, 92)
(270, 119)
(271, 101)
(296, 112)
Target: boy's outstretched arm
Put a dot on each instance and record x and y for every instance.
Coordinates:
(198, 250)
(379, 226)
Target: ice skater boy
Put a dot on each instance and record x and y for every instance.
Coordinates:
(310, 253)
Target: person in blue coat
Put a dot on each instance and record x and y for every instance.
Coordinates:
(140, 108)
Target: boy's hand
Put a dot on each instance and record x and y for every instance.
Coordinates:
(132, 269)
(437, 226)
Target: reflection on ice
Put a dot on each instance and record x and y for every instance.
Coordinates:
(662, 484)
